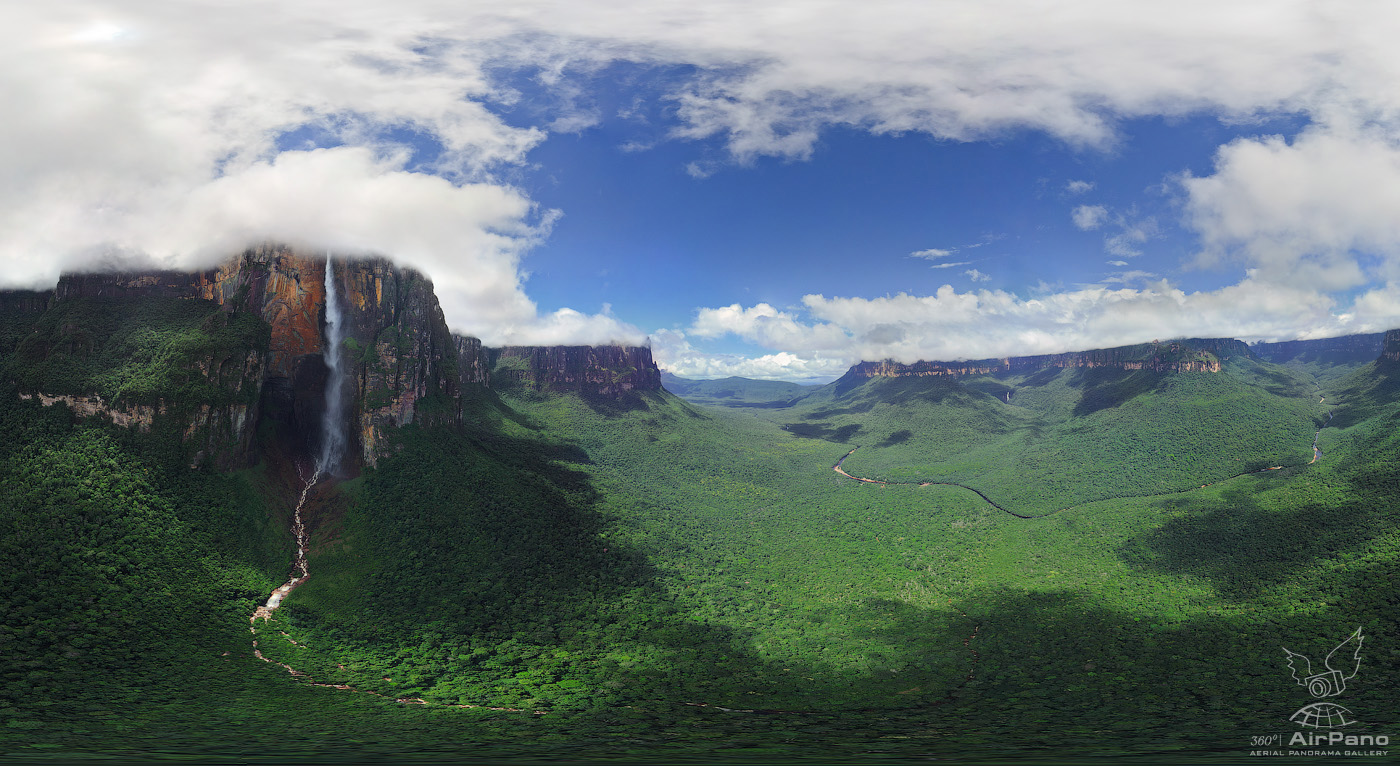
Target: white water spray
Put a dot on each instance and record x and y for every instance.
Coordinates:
(333, 418)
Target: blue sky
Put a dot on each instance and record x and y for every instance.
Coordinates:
(773, 189)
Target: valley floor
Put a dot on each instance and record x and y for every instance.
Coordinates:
(645, 580)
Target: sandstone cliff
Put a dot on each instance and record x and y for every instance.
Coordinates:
(404, 363)
(596, 370)
(1185, 355)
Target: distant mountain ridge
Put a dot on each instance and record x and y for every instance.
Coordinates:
(1346, 348)
(1180, 355)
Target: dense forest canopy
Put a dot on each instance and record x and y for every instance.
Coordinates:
(631, 575)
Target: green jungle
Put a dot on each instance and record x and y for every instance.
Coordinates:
(1067, 564)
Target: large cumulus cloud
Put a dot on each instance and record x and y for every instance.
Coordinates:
(159, 130)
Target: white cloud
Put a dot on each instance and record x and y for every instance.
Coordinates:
(1126, 277)
(951, 325)
(1117, 263)
(1130, 230)
(1302, 212)
(950, 264)
(933, 253)
(148, 129)
(674, 353)
(1132, 233)
(977, 276)
(1089, 217)
(765, 325)
(1079, 187)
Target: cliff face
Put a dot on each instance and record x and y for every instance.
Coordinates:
(1188, 355)
(473, 363)
(25, 301)
(148, 284)
(286, 289)
(1390, 348)
(1347, 349)
(597, 370)
(404, 364)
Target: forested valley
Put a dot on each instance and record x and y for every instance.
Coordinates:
(636, 576)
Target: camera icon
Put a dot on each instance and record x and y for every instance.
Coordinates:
(1328, 684)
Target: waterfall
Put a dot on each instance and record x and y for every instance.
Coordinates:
(327, 460)
(333, 418)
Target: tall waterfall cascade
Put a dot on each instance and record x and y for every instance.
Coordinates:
(333, 417)
(332, 448)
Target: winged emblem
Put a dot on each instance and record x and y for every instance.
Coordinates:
(1340, 667)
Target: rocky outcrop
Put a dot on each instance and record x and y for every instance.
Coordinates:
(1347, 349)
(608, 371)
(405, 365)
(286, 289)
(1390, 348)
(473, 363)
(137, 416)
(1186, 355)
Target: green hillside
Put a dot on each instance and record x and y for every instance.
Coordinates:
(645, 578)
(1068, 436)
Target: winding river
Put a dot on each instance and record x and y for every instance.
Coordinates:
(1317, 455)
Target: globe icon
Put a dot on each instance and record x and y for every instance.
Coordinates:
(1322, 715)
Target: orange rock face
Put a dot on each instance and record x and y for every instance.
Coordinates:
(402, 363)
(288, 289)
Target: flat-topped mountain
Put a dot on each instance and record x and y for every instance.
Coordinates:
(1182, 355)
(597, 370)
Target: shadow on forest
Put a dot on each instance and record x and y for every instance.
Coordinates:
(990, 387)
(777, 404)
(1105, 388)
(1063, 655)
(854, 409)
(841, 435)
(1370, 394)
(1245, 549)
(616, 406)
(898, 437)
(1280, 383)
(1042, 378)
